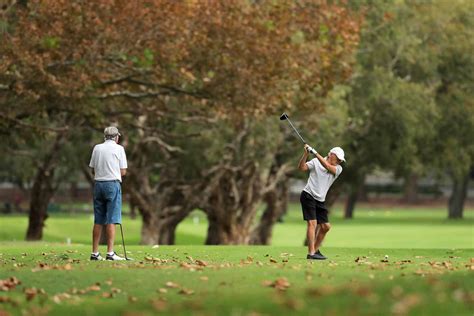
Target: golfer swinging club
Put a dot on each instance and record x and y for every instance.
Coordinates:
(109, 164)
(323, 171)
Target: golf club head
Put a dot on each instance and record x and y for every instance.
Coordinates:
(129, 259)
(283, 117)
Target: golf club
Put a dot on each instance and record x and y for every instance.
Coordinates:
(123, 243)
(284, 117)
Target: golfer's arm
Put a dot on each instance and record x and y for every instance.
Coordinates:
(302, 164)
(123, 172)
(327, 165)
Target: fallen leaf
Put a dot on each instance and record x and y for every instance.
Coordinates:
(107, 295)
(280, 284)
(93, 288)
(185, 291)
(171, 284)
(273, 260)
(9, 284)
(201, 263)
(204, 278)
(31, 293)
(132, 299)
(115, 290)
(162, 290)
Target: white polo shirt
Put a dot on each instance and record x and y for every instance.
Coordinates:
(107, 160)
(320, 179)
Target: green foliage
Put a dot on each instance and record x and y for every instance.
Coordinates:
(50, 42)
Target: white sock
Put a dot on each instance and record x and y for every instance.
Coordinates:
(95, 254)
(111, 253)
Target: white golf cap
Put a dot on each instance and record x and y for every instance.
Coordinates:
(338, 152)
(111, 131)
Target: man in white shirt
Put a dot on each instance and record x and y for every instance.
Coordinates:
(323, 171)
(109, 164)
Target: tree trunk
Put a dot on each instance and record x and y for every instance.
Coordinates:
(230, 200)
(355, 189)
(277, 204)
(458, 197)
(410, 194)
(350, 204)
(223, 232)
(43, 190)
(41, 194)
(150, 229)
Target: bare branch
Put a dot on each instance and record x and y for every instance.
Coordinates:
(162, 143)
(132, 95)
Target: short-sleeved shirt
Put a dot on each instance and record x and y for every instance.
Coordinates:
(320, 179)
(107, 160)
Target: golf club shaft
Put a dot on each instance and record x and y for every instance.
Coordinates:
(123, 242)
(289, 121)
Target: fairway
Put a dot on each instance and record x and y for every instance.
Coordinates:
(237, 280)
(429, 270)
(372, 227)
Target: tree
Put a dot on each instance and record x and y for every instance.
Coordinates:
(451, 43)
(97, 62)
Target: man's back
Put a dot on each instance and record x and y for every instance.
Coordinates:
(107, 160)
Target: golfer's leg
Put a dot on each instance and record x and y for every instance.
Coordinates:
(110, 237)
(114, 213)
(322, 231)
(99, 216)
(96, 231)
(310, 234)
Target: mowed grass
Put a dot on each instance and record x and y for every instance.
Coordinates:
(388, 227)
(237, 280)
(429, 271)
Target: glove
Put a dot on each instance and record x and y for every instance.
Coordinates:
(311, 150)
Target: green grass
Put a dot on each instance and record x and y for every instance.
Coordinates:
(429, 269)
(434, 282)
(371, 228)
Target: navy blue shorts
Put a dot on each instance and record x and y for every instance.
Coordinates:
(107, 202)
(313, 209)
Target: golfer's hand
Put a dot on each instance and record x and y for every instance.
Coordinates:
(306, 149)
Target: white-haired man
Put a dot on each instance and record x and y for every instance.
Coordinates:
(323, 171)
(109, 164)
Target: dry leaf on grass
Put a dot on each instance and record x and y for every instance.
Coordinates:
(31, 293)
(201, 263)
(204, 278)
(172, 284)
(162, 290)
(185, 291)
(9, 284)
(93, 288)
(281, 284)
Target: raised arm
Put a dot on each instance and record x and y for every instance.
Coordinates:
(326, 164)
(302, 164)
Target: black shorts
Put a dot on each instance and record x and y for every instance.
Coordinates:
(313, 209)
